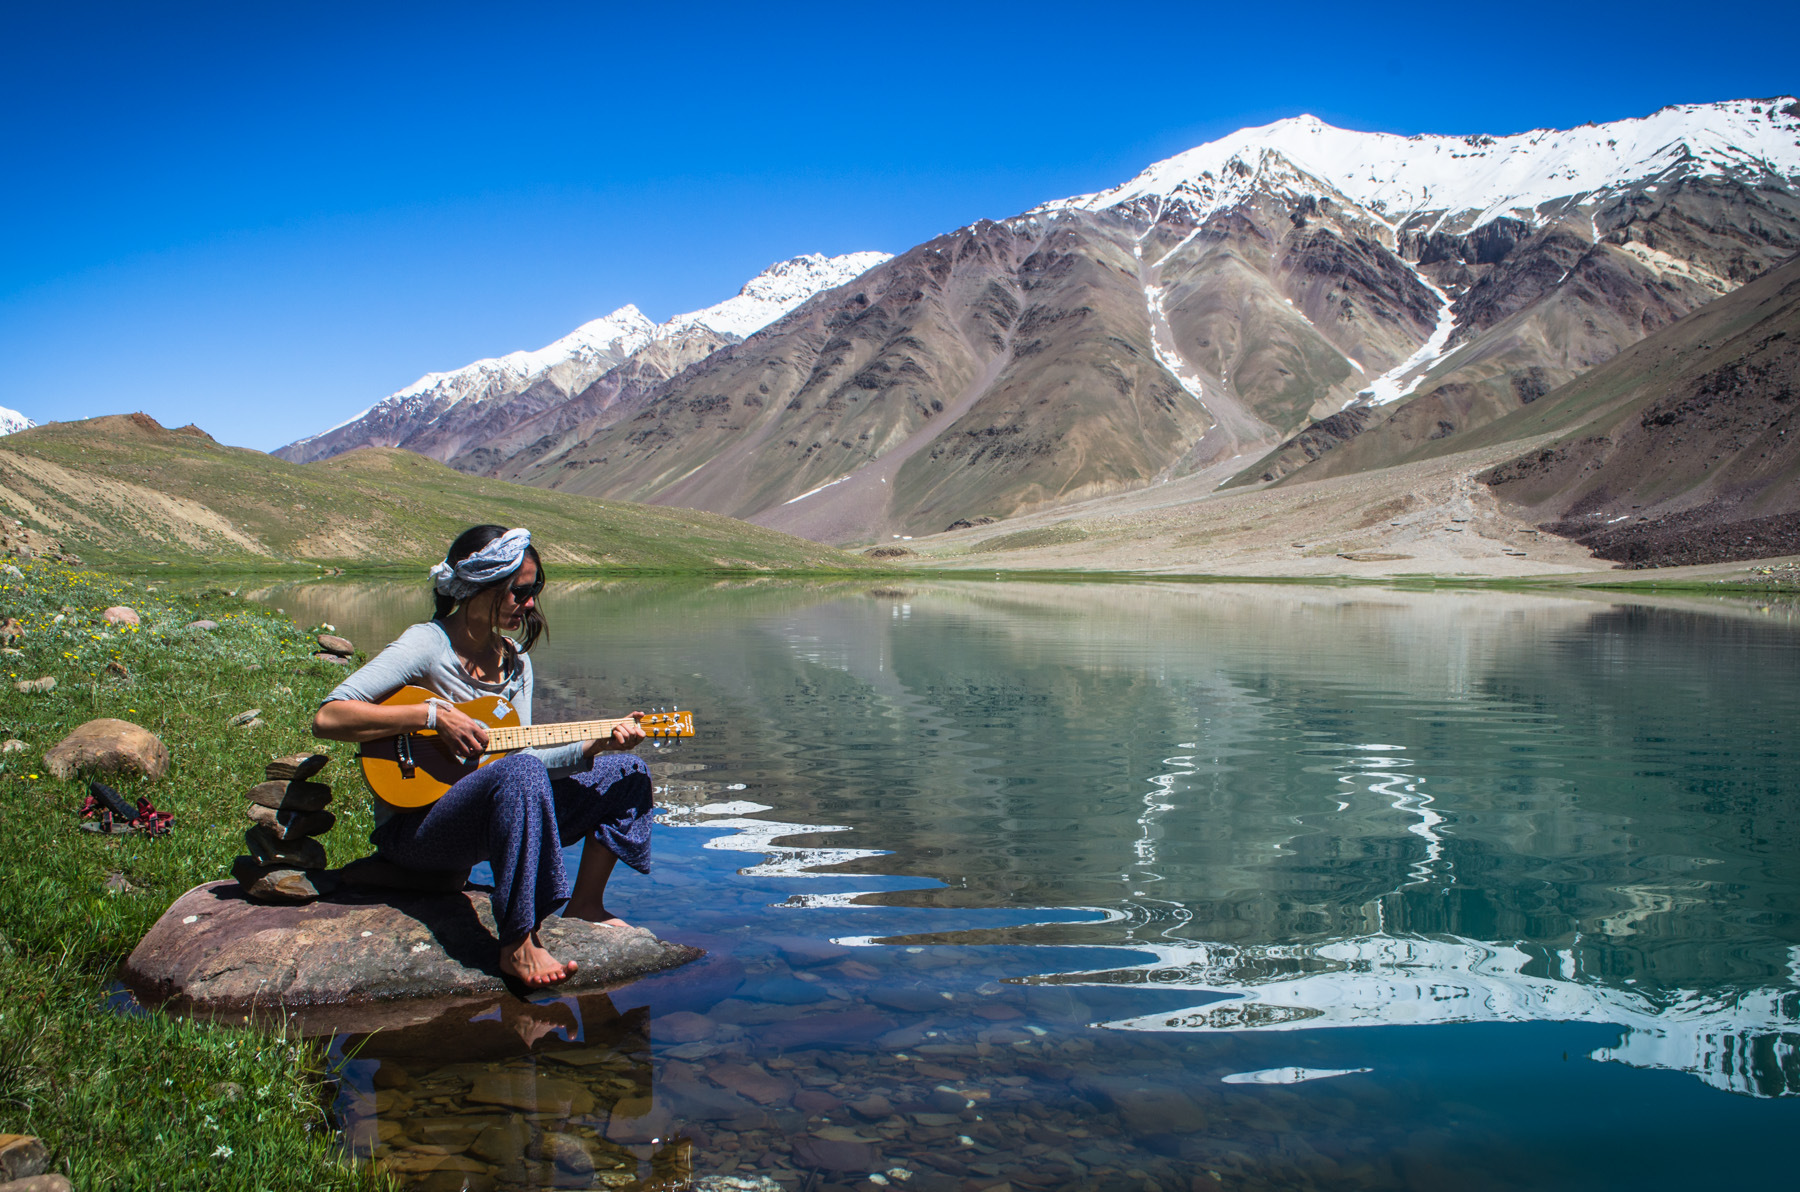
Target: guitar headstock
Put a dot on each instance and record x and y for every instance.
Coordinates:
(667, 724)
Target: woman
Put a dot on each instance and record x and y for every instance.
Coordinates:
(518, 812)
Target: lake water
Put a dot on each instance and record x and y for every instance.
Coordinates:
(1156, 887)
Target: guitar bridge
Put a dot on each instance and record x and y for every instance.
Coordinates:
(403, 754)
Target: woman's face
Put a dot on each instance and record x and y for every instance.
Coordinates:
(504, 606)
(518, 593)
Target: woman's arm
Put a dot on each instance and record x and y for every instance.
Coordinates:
(356, 720)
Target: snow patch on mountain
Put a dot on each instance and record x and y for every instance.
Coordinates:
(12, 420)
(1399, 177)
(773, 293)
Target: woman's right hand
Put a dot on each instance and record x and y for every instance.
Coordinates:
(460, 733)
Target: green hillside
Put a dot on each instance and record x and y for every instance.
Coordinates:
(124, 489)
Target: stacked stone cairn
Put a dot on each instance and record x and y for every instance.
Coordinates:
(286, 862)
(334, 649)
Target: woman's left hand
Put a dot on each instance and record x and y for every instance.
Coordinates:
(625, 735)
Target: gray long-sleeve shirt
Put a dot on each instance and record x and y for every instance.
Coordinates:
(423, 657)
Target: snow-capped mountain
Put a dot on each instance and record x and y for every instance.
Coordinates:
(773, 293)
(442, 414)
(1240, 309)
(12, 420)
(1468, 181)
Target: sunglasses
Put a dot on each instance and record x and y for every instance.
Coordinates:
(523, 592)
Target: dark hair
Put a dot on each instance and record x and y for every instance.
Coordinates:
(466, 544)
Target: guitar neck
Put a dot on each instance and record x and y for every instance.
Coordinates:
(537, 736)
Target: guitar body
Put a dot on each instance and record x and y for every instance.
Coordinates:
(413, 770)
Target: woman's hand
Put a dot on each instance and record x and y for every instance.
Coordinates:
(625, 735)
(460, 733)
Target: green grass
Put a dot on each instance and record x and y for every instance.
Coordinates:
(192, 500)
(149, 1101)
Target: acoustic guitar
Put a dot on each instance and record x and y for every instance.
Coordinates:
(414, 770)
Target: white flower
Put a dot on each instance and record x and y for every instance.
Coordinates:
(223, 1152)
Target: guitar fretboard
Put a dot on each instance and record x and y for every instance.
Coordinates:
(537, 736)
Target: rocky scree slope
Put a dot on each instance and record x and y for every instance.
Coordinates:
(1682, 449)
(475, 416)
(1240, 309)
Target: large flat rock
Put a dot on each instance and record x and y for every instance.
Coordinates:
(359, 960)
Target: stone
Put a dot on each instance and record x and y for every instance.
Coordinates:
(336, 645)
(803, 952)
(336, 659)
(12, 745)
(117, 669)
(452, 1181)
(853, 1026)
(21, 1156)
(244, 717)
(10, 630)
(280, 883)
(873, 1107)
(301, 853)
(684, 1026)
(39, 1183)
(813, 1102)
(119, 614)
(301, 766)
(291, 796)
(109, 746)
(638, 1121)
(692, 1101)
(352, 962)
(531, 1093)
(566, 1151)
(501, 1143)
(36, 686)
(830, 1154)
(291, 825)
(752, 1082)
(202, 624)
(13, 572)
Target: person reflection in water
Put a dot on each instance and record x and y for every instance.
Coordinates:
(517, 813)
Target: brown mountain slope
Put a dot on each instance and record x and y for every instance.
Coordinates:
(1016, 366)
(1557, 301)
(1683, 449)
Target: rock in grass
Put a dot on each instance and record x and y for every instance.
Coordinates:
(203, 624)
(21, 1156)
(119, 614)
(11, 631)
(12, 745)
(346, 960)
(109, 746)
(301, 852)
(292, 825)
(50, 1182)
(279, 883)
(291, 796)
(336, 645)
(245, 717)
(335, 659)
(302, 765)
(36, 686)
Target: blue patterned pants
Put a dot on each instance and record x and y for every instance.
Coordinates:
(510, 814)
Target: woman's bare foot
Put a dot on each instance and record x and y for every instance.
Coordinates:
(594, 913)
(530, 964)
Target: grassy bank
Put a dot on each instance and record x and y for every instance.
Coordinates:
(147, 1101)
(124, 489)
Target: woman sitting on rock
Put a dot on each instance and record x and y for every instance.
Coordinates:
(519, 812)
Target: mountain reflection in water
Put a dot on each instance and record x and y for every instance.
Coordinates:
(1279, 834)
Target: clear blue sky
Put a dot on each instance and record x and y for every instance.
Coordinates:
(261, 218)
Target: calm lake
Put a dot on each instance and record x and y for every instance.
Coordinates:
(1185, 886)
